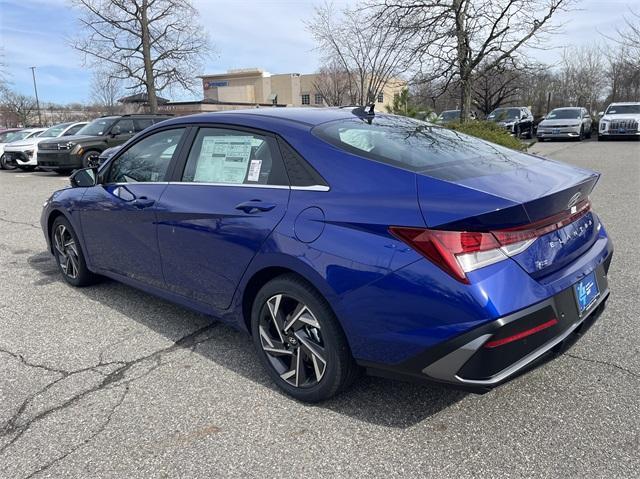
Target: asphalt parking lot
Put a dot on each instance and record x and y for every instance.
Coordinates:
(108, 381)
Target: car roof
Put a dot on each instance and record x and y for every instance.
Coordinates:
(309, 116)
(568, 108)
(625, 103)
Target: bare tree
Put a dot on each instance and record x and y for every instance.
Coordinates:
(151, 44)
(467, 38)
(370, 53)
(501, 85)
(20, 107)
(582, 73)
(106, 89)
(332, 82)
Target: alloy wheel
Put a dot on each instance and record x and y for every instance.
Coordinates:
(291, 337)
(66, 251)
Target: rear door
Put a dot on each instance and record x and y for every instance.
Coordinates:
(230, 194)
(119, 215)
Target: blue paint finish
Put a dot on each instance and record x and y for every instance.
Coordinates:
(194, 247)
(206, 243)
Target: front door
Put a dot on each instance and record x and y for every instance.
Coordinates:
(119, 216)
(232, 194)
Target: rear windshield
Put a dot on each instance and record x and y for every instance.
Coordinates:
(421, 147)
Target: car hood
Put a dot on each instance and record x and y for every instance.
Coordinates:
(529, 189)
(555, 122)
(76, 138)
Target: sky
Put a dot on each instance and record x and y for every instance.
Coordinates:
(269, 34)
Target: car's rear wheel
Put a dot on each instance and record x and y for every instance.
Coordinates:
(5, 165)
(581, 136)
(300, 341)
(68, 254)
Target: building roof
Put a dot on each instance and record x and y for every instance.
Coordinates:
(141, 98)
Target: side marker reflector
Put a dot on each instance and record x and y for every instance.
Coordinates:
(521, 335)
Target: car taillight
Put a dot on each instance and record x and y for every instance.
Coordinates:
(460, 252)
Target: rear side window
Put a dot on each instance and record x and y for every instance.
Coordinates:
(421, 147)
(234, 157)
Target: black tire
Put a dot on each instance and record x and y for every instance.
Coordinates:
(530, 134)
(589, 133)
(602, 138)
(90, 158)
(27, 168)
(581, 136)
(82, 276)
(516, 131)
(4, 165)
(340, 369)
(63, 172)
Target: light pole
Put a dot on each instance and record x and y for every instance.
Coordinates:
(35, 88)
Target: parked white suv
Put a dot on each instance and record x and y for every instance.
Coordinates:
(24, 153)
(16, 137)
(620, 120)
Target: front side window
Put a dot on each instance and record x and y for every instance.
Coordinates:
(501, 114)
(235, 158)
(305, 99)
(147, 160)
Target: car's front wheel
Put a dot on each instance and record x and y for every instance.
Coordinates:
(5, 165)
(90, 159)
(300, 341)
(68, 254)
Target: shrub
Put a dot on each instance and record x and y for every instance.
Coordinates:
(490, 131)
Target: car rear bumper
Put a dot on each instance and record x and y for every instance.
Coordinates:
(467, 362)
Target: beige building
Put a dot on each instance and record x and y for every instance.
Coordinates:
(253, 86)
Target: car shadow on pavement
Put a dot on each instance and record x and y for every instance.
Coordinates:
(373, 400)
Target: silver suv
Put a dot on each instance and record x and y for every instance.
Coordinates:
(567, 122)
(620, 120)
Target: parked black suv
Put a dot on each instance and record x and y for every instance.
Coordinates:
(82, 150)
(518, 120)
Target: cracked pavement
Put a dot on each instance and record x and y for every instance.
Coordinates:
(108, 381)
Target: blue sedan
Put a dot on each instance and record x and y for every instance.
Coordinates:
(345, 240)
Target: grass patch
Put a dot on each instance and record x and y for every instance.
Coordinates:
(490, 131)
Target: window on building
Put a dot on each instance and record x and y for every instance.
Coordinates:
(305, 99)
(380, 97)
(318, 99)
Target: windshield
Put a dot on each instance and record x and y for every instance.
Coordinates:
(623, 109)
(7, 136)
(564, 114)
(97, 127)
(421, 147)
(450, 115)
(500, 114)
(17, 135)
(54, 131)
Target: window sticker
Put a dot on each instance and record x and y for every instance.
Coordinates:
(254, 170)
(223, 159)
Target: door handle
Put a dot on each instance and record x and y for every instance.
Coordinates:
(142, 202)
(254, 206)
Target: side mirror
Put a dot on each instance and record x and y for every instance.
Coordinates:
(84, 178)
(600, 113)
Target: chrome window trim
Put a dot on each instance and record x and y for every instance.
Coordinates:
(311, 188)
(250, 185)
